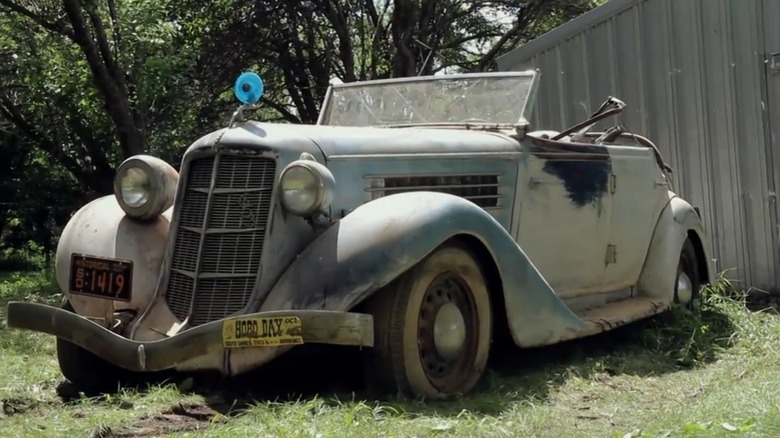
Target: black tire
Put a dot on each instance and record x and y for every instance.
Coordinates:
(87, 371)
(405, 358)
(689, 267)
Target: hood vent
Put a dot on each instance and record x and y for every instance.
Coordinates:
(479, 189)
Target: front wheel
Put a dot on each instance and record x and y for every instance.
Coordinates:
(433, 327)
(87, 371)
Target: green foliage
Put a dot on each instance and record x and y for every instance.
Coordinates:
(60, 131)
(38, 286)
(36, 198)
(27, 258)
(84, 84)
(299, 46)
(694, 336)
(51, 82)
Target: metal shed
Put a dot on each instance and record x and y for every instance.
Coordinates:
(701, 78)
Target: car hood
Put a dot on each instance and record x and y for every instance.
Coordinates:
(341, 141)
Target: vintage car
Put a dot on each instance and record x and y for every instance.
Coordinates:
(418, 220)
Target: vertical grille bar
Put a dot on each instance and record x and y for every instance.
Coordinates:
(219, 236)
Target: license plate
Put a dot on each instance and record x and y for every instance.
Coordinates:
(101, 277)
(262, 331)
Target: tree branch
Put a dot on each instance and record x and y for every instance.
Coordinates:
(490, 56)
(404, 19)
(101, 39)
(284, 112)
(56, 27)
(116, 100)
(11, 112)
(338, 21)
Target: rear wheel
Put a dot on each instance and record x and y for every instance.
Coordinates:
(687, 283)
(86, 370)
(433, 327)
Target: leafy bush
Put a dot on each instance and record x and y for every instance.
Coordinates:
(27, 258)
(40, 286)
(693, 336)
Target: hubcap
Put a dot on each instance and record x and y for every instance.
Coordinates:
(446, 333)
(449, 331)
(684, 288)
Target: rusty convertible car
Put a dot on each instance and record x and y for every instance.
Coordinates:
(417, 220)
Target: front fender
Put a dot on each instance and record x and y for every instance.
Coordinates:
(381, 239)
(101, 229)
(675, 224)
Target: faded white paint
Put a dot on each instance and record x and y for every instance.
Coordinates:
(101, 229)
(641, 192)
(566, 242)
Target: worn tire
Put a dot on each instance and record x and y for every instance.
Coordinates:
(405, 358)
(687, 282)
(87, 371)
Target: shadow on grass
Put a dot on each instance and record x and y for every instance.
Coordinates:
(674, 341)
(671, 342)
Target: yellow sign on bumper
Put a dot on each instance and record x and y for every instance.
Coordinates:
(262, 331)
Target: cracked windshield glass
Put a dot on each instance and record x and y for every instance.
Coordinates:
(429, 101)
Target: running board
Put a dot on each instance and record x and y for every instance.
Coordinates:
(616, 314)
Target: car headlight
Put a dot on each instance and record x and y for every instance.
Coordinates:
(306, 187)
(145, 186)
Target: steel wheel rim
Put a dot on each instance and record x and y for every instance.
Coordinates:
(450, 301)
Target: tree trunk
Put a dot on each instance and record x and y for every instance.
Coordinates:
(111, 86)
(404, 19)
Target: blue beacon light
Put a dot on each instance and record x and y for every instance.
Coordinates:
(248, 88)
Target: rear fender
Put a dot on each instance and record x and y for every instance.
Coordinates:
(101, 229)
(383, 238)
(677, 222)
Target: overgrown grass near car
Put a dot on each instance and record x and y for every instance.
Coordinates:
(710, 372)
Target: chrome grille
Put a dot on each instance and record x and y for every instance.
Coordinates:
(219, 236)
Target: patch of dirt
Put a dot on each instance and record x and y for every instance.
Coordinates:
(181, 418)
(19, 405)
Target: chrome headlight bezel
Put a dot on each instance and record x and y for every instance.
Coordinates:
(323, 185)
(162, 180)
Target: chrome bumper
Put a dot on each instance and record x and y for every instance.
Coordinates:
(318, 326)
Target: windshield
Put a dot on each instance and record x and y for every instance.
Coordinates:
(500, 98)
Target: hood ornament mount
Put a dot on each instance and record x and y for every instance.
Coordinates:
(248, 89)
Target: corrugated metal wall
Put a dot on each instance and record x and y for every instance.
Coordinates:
(695, 77)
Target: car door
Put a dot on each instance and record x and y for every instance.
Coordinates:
(564, 210)
(640, 192)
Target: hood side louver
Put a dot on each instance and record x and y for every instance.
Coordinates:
(482, 190)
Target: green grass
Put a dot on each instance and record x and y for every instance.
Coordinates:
(710, 372)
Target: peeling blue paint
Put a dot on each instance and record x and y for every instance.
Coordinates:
(584, 169)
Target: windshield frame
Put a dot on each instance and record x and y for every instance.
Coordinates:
(525, 112)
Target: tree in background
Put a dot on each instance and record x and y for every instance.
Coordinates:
(86, 83)
(83, 85)
(299, 46)
(90, 83)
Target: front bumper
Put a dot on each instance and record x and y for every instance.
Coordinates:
(317, 326)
